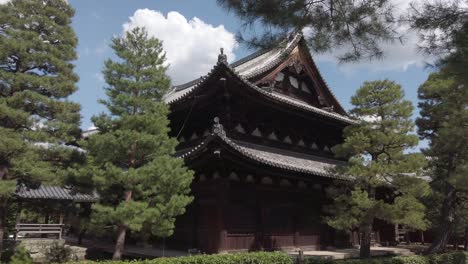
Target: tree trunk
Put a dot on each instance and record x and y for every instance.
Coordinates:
(446, 224)
(365, 241)
(119, 245)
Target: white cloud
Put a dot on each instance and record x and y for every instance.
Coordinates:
(397, 56)
(192, 46)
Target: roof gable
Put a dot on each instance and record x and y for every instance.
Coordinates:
(301, 73)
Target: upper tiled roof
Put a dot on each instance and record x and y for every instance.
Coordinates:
(254, 65)
(174, 96)
(56, 193)
(274, 157)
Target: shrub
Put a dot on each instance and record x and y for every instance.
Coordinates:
(447, 258)
(240, 258)
(21, 256)
(58, 253)
(409, 260)
(452, 258)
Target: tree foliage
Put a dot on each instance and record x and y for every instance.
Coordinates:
(139, 181)
(444, 123)
(37, 47)
(443, 102)
(440, 24)
(383, 175)
(357, 27)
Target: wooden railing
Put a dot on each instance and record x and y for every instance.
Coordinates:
(22, 230)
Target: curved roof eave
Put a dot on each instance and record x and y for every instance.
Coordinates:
(274, 161)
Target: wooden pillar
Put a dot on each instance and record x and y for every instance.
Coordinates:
(194, 223)
(296, 238)
(407, 237)
(356, 237)
(259, 225)
(46, 217)
(18, 219)
(295, 224)
(466, 239)
(262, 228)
(222, 203)
(397, 235)
(61, 223)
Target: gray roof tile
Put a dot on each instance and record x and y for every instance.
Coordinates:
(56, 193)
(279, 158)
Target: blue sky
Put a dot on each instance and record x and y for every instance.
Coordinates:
(193, 44)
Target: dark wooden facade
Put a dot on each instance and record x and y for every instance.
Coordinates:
(258, 133)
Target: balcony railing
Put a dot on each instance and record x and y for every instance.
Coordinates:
(26, 230)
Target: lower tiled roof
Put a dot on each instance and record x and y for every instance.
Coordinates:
(56, 193)
(288, 159)
(279, 158)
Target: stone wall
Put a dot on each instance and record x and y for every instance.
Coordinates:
(37, 248)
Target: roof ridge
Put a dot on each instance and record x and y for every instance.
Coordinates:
(250, 57)
(291, 44)
(291, 37)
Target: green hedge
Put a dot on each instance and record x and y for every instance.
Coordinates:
(283, 258)
(447, 258)
(240, 258)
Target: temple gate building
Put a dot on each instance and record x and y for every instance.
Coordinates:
(259, 135)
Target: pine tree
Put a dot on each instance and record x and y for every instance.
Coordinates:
(439, 24)
(382, 184)
(37, 47)
(444, 123)
(139, 181)
(355, 28)
(444, 118)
